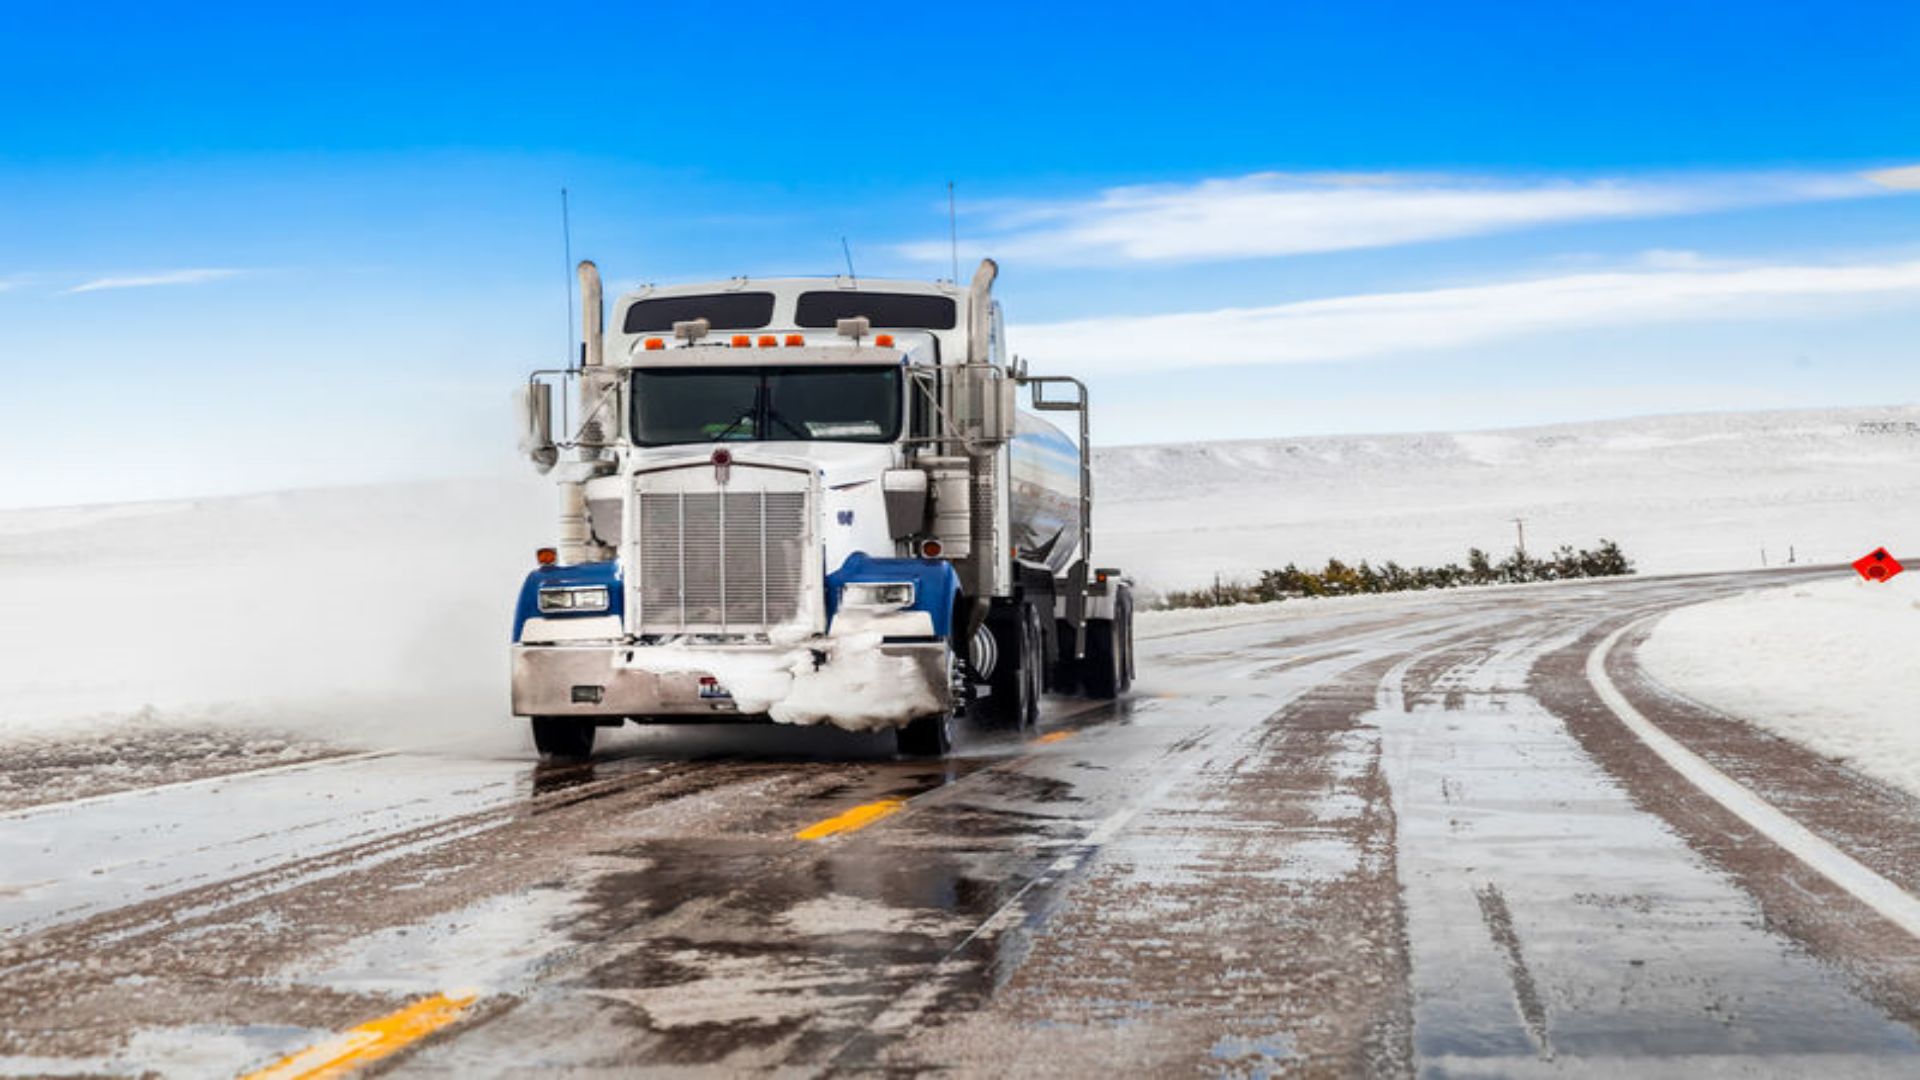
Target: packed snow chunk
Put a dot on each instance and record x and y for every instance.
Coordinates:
(1830, 665)
(845, 680)
(859, 688)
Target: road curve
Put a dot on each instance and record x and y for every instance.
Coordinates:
(1414, 836)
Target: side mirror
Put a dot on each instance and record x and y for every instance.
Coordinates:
(984, 404)
(534, 403)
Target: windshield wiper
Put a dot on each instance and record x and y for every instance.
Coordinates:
(775, 418)
(733, 427)
(753, 410)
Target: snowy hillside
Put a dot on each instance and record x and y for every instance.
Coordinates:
(1679, 493)
(385, 611)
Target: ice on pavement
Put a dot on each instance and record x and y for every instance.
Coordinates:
(1833, 665)
(499, 944)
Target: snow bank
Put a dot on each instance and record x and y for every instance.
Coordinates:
(1156, 624)
(1832, 665)
(1164, 623)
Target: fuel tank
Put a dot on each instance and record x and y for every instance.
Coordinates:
(1045, 499)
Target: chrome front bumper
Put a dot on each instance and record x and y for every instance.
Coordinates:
(591, 681)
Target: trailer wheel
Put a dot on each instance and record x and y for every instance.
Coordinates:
(1064, 673)
(1100, 668)
(1107, 670)
(1014, 703)
(563, 738)
(1034, 670)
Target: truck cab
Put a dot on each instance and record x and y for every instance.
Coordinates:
(805, 501)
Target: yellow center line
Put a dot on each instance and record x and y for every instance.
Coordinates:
(370, 1041)
(867, 813)
(857, 818)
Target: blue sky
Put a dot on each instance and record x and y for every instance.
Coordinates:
(247, 248)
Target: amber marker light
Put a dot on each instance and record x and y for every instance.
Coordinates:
(743, 341)
(546, 556)
(654, 344)
(884, 341)
(794, 341)
(768, 341)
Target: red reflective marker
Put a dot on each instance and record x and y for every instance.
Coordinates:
(1878, 566)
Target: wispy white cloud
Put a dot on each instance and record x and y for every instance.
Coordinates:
(1905, 177)
(1273, 214)
(168, 277)
(1377, 324)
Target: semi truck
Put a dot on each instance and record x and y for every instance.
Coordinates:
(810, 500)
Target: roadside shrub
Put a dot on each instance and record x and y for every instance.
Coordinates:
(1338, 578)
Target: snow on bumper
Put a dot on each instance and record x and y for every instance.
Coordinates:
(864, 684)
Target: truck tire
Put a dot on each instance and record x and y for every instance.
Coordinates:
(1015, 701)
(563, 738)
(929, 736)
(1107, 670)
(1034, 669)
(1064, 673)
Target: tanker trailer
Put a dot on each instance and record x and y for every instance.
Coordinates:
(810, 501)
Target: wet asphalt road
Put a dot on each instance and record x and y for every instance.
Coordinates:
(1383, 840)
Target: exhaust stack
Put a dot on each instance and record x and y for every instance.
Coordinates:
(576, 534)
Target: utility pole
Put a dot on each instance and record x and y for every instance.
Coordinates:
(1520, 526)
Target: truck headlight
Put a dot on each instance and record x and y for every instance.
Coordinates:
(876, 595)
(573, 599)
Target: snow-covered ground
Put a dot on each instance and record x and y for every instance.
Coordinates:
(1831, 665)
(379, 616)
(1703, 492)
(369, 617)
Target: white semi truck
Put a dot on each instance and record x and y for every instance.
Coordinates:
(810, 501)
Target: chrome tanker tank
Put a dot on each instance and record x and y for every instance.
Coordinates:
(1046, 493)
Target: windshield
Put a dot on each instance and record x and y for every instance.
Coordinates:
(835, 404)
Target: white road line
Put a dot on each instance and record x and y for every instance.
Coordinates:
(1892, 902)
(47, 808)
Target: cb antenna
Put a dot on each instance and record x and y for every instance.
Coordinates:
(953, 233)
(566, 243)
(848, 252)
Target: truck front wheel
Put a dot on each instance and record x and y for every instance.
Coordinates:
(563, 738)
(929, 736)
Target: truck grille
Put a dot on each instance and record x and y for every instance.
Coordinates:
(720, 561)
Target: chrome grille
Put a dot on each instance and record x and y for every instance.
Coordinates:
(720, 561)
